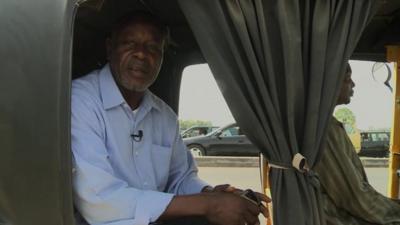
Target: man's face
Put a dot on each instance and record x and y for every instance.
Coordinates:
(346, 91)
(135, 54)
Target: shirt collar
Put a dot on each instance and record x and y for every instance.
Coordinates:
(109, 90)
(112, 97)
(149, 101)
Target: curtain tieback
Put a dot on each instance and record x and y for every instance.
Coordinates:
(299, 162)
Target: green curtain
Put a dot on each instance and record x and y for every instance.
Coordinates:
(279, 65)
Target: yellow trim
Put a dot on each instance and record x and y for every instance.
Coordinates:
(393, 55)
(264, 167)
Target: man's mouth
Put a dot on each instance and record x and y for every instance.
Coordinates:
(138, 69)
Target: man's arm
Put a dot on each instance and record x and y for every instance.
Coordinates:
(183, 178)
(219, 208)
(220, 205)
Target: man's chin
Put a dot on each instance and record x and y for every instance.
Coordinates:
(137, 88)
(136, 84)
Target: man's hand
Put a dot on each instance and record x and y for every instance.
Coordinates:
(229, 208)
(263, 199)
(221, 206)
(396, 200)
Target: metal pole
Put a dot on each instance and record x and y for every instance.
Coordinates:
(264, 170)
(393, 55)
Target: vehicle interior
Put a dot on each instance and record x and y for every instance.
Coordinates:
(46, 44)
(94, 18)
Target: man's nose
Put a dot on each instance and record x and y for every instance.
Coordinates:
(139, 51)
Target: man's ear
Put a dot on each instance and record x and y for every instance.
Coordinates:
(109, 46)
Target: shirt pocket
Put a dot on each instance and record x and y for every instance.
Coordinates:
(161, 156)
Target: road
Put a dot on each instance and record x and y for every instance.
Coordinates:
(243, 177)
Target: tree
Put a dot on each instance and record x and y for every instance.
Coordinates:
(346, 116)
(185, 124)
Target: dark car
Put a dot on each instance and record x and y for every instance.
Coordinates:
(197, 131)
(375, 144)
(226, 141)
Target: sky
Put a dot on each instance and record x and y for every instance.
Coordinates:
(200, 98)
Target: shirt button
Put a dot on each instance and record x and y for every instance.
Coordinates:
(145, 183)
(136, 153)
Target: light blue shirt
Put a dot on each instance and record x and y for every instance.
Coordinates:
(117, 180)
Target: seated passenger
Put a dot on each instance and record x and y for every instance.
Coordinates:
(348, 197)
(131, 165)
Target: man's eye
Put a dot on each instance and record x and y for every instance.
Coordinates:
(129, 44)
(154, 48)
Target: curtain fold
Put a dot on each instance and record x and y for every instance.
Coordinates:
(279, 65)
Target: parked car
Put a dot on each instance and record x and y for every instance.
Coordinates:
(197, 131)
(375, 144)
(225, 141)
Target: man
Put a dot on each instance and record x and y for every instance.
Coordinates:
(131, 166)
(348, 197)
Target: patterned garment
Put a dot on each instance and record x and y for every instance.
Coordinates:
(348, 197)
